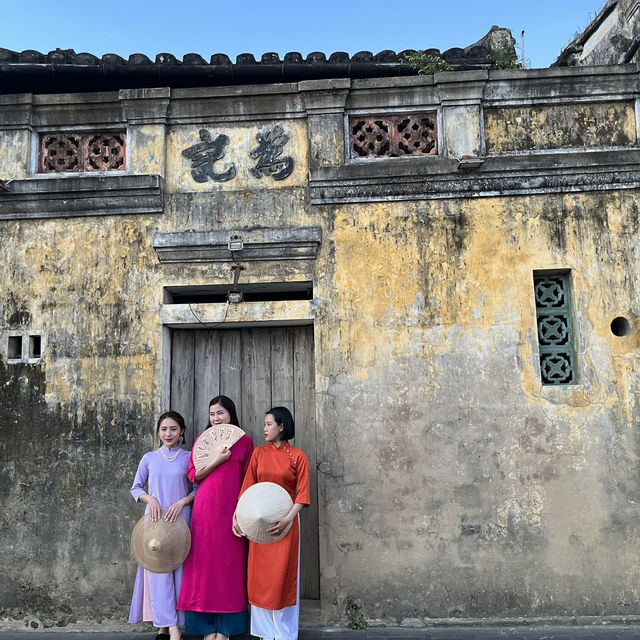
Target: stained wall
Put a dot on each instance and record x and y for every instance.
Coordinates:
(451, 481)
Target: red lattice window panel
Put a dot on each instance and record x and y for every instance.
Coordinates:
(82, 151)
(394, 136)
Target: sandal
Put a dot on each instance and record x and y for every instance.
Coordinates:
(163, 636)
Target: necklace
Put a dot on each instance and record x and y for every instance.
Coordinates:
(170, 458)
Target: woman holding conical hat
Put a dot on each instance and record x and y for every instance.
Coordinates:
(274, 569)
(168, 496)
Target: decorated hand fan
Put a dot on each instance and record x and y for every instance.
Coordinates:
(213, 440)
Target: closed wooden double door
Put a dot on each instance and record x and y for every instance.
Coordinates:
(257, 368)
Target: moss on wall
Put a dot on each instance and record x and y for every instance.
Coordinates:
(451, 481)
(562, 126)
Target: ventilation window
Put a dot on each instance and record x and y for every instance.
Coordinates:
(219, 293)
(620, 327)
(14, 348)
(394, 136)
(35, 346)
(82, 151)
(555, 335)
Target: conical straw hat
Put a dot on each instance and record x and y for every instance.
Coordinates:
(160, 546)
(259, 506)
(212, 441)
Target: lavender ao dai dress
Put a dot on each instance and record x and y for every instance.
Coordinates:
(166, 481)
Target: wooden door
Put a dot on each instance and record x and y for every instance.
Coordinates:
(257, 368)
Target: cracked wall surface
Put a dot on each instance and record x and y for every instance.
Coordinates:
(451, 481)
(500, 495)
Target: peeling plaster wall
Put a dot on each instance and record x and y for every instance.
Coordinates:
(482, 493)
(560, 127)
(451, 482)
(76, 423)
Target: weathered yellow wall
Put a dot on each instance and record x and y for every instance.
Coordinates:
(451, 482)
(147, 153)
(563, 126)
(492, 484)
(14, 154)
(80, 416)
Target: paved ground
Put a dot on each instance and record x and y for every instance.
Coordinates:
(600, 632)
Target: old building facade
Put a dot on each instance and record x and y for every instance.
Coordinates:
(612, 37)
(437, 273)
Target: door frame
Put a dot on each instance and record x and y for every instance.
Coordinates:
(229, 316)
(246, 315)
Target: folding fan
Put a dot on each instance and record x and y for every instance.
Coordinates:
(213, 440)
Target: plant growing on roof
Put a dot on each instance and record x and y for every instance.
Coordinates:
(503, 53)
(426, 64)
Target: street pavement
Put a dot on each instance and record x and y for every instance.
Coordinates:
(591, 632)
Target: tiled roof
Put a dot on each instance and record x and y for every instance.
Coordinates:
(64, 70)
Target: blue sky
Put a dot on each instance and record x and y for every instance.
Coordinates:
(251, 26)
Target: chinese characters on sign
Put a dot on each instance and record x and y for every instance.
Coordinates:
(206, 153)
(203, 156)
(268, 153)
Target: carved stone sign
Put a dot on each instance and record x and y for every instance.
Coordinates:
(206, 153)
(268, 154)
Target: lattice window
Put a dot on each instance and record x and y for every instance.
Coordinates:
(555, 335)
(82, 151)
(394, 136)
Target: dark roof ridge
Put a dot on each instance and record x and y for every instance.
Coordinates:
(65, 71)
(70, 57)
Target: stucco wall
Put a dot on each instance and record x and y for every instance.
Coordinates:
(483, 493)
(560, 127)
(608, 39)
(75, 423)
(451, 482)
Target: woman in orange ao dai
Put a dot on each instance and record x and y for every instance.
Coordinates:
(274, 569)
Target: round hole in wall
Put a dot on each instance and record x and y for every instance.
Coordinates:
(620, 327)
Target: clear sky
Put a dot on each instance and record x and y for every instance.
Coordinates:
(253, 26)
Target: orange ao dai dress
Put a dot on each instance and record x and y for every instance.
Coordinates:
(273, 569)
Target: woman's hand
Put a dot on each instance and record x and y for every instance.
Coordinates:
(155, 510)
(222, 456)
(173, 512)
(278, 526)
(235, 527)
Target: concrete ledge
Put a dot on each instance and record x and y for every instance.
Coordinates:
(437, 178)
(245, 314)
(76, 196)
(259, 245)
(601, 628)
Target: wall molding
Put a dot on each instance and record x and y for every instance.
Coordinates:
(79, 196)
(438, 178)
(259, 245)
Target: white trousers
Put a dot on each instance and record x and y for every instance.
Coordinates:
(281, 624)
